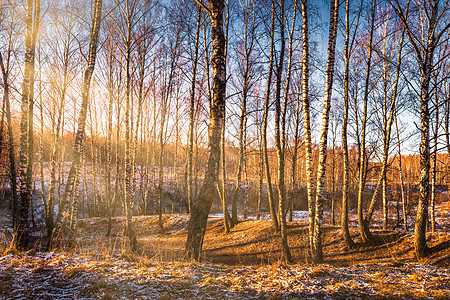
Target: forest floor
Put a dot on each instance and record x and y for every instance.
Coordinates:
(244, 264)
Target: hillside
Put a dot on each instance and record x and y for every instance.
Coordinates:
(242, 265)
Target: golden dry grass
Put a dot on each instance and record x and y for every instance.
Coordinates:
(244, 264)
(252, 242)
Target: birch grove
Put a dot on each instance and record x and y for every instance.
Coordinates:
(233, 112)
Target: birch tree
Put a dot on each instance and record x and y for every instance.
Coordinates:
(246, 51)
(348, 47)
(364, 232)
(26, 123)
(307, 121)
(272, 207)
(386, 142)
(63, 212)
(280, 132)
(316, 247)
(65, 21)
(424, 43)
(200, 211)
(5, 69)
(191, 115)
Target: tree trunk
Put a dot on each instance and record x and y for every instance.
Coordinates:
(153, 163)
(237, 191)
(161, 156)
(41, 151)
(95, 196)
(200, 211)
(420, 243)
(4, 66)
(26, 140)
(333, 175)
(447, 124)
(12, 157)
(385, 201)
(74, 209)
(109, 201)
(345, 179)
(81, 131)
(295, 157)
(424, 54)
(226, 215)
(142, 60)
(447, 127)
(363, 227)
(191, 117)
(280, 131)
(317, 254)
(307, 122)
(31, 152)
(272, 207)
(434, 165)
(386, 143)
(260, 163)
(2, 129)
(247, 186)
(129, 201)
(402, 185)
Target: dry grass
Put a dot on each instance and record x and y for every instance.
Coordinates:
(250, 242)
(244, 264)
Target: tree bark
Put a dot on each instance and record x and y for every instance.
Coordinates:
(191, 117)
(25, 161)
(109, 130)
(386, 144)
(447, 124)
(165, 107)
(63, 212)
(434, 164)
(307, 121)
(129, 201)
(363, 227)
(11, 154)
(333, 171)
(272, 207)
(226, 215)
(317, 253)
(402, 185)
(424, 51)
(200, 211)
(280, 131)
(260, 160)
(41, 148)
(295, 157)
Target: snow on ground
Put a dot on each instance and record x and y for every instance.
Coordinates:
(298, 215)
(69, 276)
(61, 275)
